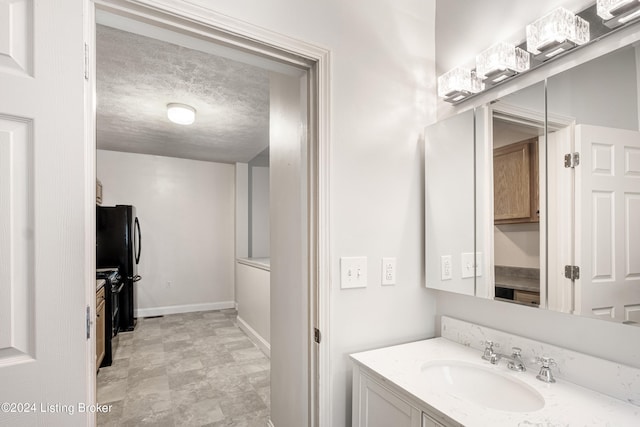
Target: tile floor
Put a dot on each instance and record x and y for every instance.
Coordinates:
(192, 369)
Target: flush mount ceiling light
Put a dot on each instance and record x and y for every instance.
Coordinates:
(618, 12)
(500, 62)
(459, 83)
(556, 32)
(181, 114)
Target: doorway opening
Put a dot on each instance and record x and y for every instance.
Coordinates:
(301, 74)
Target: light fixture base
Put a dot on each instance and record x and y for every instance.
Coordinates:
(456, 96)
(498, 75)
(553, 48)
(626, 15)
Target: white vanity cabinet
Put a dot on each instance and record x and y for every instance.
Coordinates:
(376, 403)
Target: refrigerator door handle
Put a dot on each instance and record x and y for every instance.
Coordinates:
(137, 226)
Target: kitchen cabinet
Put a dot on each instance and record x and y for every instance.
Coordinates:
(100, 326)
(379, 404)
(515, 183)
(529, 298)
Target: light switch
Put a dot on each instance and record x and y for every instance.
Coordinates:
(468, 265)
(445, 267)
(388, 271)
(353, 272)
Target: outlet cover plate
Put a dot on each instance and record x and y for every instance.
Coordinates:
(388, 271)
(446, 267)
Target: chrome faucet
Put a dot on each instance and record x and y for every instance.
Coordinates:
(515, 362)
(489, 353)
(545, 373)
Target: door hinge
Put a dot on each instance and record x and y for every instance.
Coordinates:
(88, 321)
(316, 335)
(571, 160)
(86, 61)
(572, 272)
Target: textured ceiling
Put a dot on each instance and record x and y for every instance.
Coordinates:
(138, 76)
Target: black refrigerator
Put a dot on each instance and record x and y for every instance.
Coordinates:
(119, 244)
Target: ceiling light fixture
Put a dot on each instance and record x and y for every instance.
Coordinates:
(556, 32)
(500, 62)
(181, 114)
(617, 12)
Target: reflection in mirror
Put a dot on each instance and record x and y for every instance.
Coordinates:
(449, 204)
(511, 196)
(594, 207)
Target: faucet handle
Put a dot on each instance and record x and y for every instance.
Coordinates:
(545, 373)
(546, 362)
(490, 344)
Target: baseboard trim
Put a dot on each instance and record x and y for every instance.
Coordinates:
(188, 308)
(255, 337)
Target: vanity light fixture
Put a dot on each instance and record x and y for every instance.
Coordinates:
(500, 62)
(458, 83)
(556, 32)
(181, 114)
(618, 12)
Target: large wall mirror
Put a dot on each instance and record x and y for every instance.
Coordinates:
(536, 210)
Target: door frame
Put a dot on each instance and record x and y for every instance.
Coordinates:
(546, 122)
(315, 60)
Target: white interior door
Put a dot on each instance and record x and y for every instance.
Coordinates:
(608, 223)
(44, 214)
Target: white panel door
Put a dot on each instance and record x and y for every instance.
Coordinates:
(608, 223)
(44, 214)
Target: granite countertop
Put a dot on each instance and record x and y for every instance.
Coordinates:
(566, 404)
(518, 278)
(99, 284)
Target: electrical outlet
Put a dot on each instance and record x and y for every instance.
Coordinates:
(388, 271)
(353, 272)
(446, 268)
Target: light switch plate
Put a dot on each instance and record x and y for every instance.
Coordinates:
(388, 271)
(469, 264)
(353, 272)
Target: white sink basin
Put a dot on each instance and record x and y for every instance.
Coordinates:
(482, 386)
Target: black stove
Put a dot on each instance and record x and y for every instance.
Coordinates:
(112, 289)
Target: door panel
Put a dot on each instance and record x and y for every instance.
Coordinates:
(43, 204)
(608, 223)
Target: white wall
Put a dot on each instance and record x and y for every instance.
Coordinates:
(253, 293)
(186, 212)
(517, 245)
(382, 85)
(603, 339)
(259, 212)
(242, 210)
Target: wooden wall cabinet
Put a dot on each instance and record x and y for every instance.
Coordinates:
(515, 183)
(100, 326)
